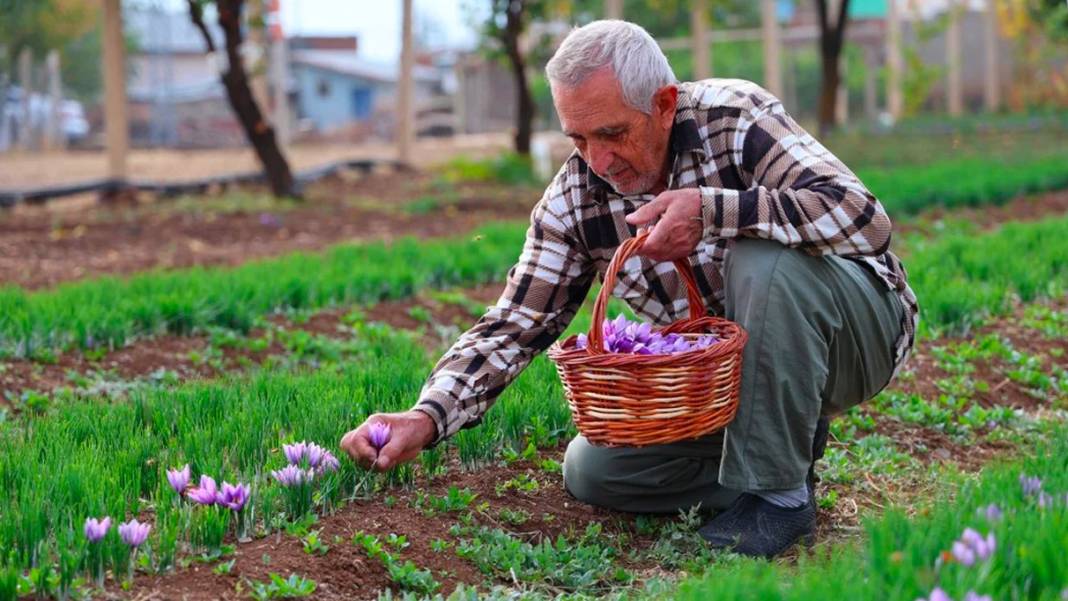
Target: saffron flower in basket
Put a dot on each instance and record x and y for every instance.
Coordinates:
(624, 336)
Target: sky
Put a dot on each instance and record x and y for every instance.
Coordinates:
(378, 22)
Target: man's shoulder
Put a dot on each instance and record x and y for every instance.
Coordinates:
(725, 93)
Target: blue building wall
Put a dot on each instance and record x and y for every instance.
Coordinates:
(331, 99)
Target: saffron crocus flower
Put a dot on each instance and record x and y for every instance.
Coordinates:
(1030, 484)
(380, 434)
(295, 452)
(134, 533)
(290, 475)
(973, 547)
(974, 596)
(1044, 500)
(991, 512)
(936, 595)
(96, 529)
(179, 479)
(329, 463)
(622, 336)
(231, 496)
(314, 453)
(206, 493)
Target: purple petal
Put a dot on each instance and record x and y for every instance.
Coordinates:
(179, 479)
(294, 452)
(380, 433)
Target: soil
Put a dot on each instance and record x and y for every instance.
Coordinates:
(346, 572)
(95, 240)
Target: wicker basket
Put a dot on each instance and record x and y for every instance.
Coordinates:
(634, 400)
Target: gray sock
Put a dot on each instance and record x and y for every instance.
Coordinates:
(788, 498)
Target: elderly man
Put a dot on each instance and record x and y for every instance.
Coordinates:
(783, 239)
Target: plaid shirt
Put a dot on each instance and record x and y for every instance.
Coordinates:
(760, 175)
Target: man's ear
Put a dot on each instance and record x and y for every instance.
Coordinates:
(665, 101)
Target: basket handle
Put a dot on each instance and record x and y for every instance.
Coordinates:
(595, 337)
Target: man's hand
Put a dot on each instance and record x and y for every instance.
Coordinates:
(679, 229)
(411, 431)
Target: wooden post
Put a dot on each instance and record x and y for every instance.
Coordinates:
(283, 129)
(702, 66)
(954, 93)
(25, 131)
(895, 99)
(772, 48)
(613, 9)
(54, 137)
(870, 109)
(841, 109)
(992, 82)
(117, 135)
(405, 114)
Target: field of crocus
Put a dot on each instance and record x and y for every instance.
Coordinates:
(212, 470)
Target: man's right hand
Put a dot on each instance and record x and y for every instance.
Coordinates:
(410, 432)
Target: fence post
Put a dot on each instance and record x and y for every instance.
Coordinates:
(992, 87)
(772, 48)
(405, 114)
(613, 9)
(55, 137)
(702, 65)
(25, 129)
(954, 95)
(895, 101)
(117, 135)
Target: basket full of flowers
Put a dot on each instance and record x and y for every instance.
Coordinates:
(629, 384)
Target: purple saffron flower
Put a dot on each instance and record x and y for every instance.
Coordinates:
(179, 479)
(380, 434)
(206, 493)
(270, 220)
(314, 453)
(974, 596)
(134, 533)
(96, 529)
(992, 512)
(290, 475)
(329, 463)
(295, 452)
(231, 496)
(937, 595)
(1030, 484)
(1044, 500)
(973, 547)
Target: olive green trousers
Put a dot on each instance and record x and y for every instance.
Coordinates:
(821, 340)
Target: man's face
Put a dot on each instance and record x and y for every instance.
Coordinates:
(624, 146)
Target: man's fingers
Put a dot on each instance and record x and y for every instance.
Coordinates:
(647, 212)
(356, 445)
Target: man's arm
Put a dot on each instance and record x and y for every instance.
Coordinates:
(544, 291)
(800, 194)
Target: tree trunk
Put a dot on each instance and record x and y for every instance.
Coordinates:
(832, 34)
(525, 101)
(259, 133)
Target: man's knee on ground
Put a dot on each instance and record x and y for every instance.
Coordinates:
(587, 470)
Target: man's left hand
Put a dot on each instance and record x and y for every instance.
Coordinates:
(676, 234)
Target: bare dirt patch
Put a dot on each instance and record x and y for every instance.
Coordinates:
(41, 248)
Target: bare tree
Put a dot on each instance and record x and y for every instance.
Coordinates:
(832, 36)
(506, 25)
(235, 79)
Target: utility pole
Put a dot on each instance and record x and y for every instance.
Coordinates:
(702, 65)
(772, 48)
(117, 135)
(405, 114)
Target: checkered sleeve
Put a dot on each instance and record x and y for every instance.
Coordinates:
(545, 289)
(799, 194)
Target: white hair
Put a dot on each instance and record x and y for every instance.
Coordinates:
(633, 55)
